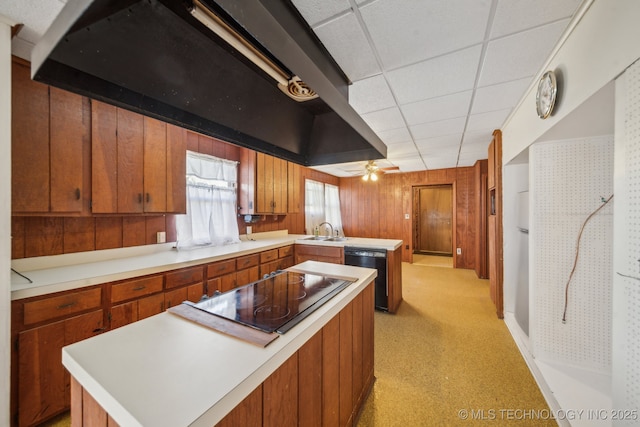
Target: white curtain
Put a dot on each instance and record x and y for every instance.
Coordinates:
(332, 207)
(313, 205)
(322, 203)
(211, 203)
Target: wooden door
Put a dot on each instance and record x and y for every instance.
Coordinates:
(434, 232)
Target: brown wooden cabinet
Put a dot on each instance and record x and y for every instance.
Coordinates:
(186, 284)
(294, 188)
(494, 232)
(276, 259)
(138, 163)
(136, 299)
(332, 254)
(50, 145)
(41, 326)
(271, 185)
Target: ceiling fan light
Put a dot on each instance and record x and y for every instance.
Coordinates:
(374, 177)
(365, 177)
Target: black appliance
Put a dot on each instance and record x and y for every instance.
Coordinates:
(276, 303)
(372, 258)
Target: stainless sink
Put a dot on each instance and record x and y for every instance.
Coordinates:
(326, 239)
(317, 238)
(337, 239)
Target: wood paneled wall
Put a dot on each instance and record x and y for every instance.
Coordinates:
(377, 209)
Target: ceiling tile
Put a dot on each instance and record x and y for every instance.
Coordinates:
(442, 162)
(438, 152)
(517, 15)
(471, 138)
(409, 164)
(317, 11)
(434, 109)
(440, 128)
(346, 41)
(394, 136)
(39, 14)
(499, 96)
(370, 94)
(428, 80)
(487, 121)
(403, 149)
(433, 144)
(423, 29)
(389, 118)
(519, 56)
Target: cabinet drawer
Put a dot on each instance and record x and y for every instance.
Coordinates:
(247, 261)
(183, 277)
(221, 267)
(61, 306)
(285, 252)
(267, 256)
(135, 288)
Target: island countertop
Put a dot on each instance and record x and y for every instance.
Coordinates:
(168, 371)
(71, 271)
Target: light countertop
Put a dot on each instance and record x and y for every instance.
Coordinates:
(168, 371)
(71, 271)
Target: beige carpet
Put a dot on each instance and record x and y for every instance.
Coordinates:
(445, 359)
(433, 260)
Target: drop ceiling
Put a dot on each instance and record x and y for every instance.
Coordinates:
(432, 79)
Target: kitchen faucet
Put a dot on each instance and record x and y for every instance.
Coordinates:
(320, 225)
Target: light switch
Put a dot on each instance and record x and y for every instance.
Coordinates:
(407, 216)
(161, 237)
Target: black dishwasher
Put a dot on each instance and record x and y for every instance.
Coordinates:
(371, 258)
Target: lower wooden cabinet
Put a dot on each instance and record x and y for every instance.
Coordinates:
(332, 254)
(41, 326)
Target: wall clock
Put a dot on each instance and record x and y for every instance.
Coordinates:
(546, 94)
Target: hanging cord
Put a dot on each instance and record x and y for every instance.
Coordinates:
(575, 261)
(21, 275)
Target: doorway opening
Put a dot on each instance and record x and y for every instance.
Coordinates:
(434, 225)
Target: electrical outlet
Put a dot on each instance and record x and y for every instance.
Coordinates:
(161, 237)
(249, 229)
(459, 251)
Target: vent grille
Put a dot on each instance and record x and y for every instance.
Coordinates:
(298, 90)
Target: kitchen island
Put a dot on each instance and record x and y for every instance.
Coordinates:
(168, 371)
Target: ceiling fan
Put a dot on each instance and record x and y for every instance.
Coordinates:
(371, 171)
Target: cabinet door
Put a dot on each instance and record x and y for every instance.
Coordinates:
(104, 158)
(41, 387)
(174, 297)
(150, 306)
(43, 383)
(130, 152)
(294, 184)
(123, 314)
(67, 142)
(264, 183)
(279, 186)
(228, 282)
(176, 169)
(248, 275)
(29, 142)
(155, 165)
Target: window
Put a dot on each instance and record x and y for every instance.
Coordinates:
(211, 203)
(322, 204)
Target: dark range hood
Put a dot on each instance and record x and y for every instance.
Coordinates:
(154, 57)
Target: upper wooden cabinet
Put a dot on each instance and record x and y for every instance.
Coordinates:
(271, 185)
(138, 163)
(268, 185)
(49, 145)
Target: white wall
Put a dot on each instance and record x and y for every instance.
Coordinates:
(5, 217)
(626, 277)
(569, 179)
(600, 47)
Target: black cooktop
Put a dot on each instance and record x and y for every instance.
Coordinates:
(275, 303)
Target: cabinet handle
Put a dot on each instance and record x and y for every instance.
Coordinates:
(104, 328)
(139, 288)
(77, 194)
(139, 197)
(67, 305)
(148, 198)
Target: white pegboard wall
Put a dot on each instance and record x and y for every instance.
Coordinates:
(570, 179)
(631, 244)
